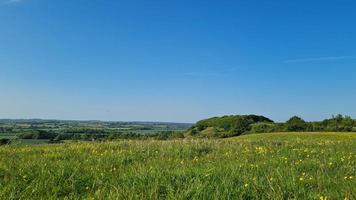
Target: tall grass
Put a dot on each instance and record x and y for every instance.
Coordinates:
(265, 166)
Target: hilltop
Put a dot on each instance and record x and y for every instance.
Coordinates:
(236, 125)
(226, 126)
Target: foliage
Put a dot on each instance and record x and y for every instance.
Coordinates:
(296, 124)
(217, 127)
(226, 126)
(263, 127)
(4, 141)
(236, 125)
(39, 134)
(54, 130)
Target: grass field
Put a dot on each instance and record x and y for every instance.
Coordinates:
(265, 166)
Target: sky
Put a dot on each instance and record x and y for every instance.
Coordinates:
(177, 61)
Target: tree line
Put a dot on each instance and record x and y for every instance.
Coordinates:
(220, 127)
(338, 123)
(235, 125)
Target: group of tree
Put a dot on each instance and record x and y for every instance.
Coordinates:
(338, 123)
(95, 135)
(235, 125)
(220, 127)
(226, 126)
(4, 141)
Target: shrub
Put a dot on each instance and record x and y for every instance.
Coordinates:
(5, 141)
(263, 127)
(226, 126)
(296, 124)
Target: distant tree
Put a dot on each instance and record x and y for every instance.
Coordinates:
(5, 141)
(296, 124)
(227, 126)
(263, 127)
(29, 135)
(339, 123)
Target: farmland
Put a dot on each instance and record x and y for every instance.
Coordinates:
(55, 131)
(256, 166)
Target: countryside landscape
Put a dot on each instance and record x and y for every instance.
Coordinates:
(177, 100)
(230, 157)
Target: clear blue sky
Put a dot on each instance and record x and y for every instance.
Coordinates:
(180, 61)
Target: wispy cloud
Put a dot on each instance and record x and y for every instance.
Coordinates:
(330, 58)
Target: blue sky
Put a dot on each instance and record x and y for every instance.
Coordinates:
(176, 61)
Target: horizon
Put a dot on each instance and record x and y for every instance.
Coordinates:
(180, 62)
(135, 121)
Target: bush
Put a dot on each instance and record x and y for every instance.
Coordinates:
(296, 124)
(263, 127)
(226, 126)
(5, 141)
(29, 136)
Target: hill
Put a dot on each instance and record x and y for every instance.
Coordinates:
(226, 126)
(235, 125)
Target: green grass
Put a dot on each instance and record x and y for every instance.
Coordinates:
(264, 166)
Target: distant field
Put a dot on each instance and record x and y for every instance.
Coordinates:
(39, 131)
(9, 136)
(263, 166)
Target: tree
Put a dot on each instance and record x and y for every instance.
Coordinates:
(296, 124)
(4, 141)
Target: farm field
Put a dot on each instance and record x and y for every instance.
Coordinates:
(37, 131)
(257, 166)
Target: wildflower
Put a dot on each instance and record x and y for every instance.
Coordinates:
(348, 177)
(301, 178)
(246, 185)
(323, 198)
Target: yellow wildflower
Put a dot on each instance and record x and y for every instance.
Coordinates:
(323, 198)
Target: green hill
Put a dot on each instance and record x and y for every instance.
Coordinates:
(235, 125)
(226, 126)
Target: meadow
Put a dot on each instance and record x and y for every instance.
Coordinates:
(258, 166)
